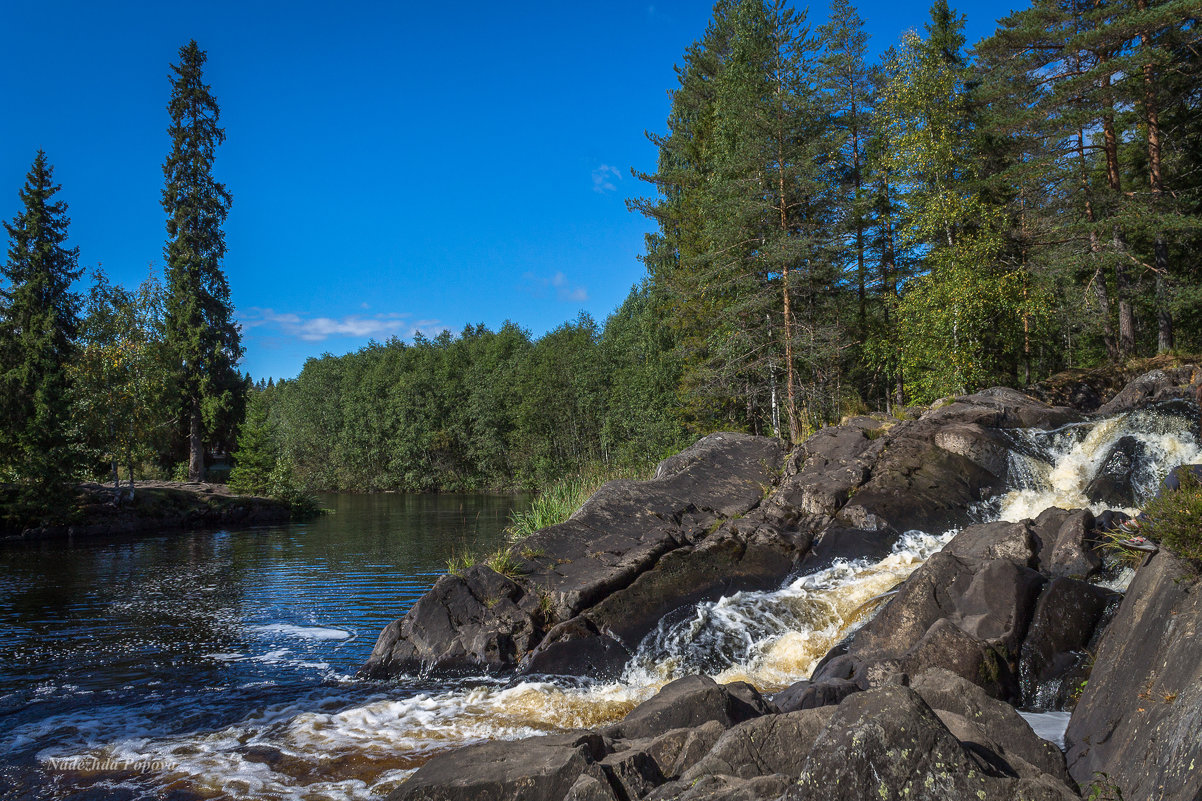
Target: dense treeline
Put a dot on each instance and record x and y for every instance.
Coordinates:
(832, 235)
(484, 409)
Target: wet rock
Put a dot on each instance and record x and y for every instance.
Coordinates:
(1075, 551)
(538, 769)
(621, 533)
(840, 542)
(812, 695)
(1112, 485)
(690, 702)
(463, 624)
(740, 555)
(573, 643)
(889, 744)
(1139, 717)
(1065, 619)
(995, 725)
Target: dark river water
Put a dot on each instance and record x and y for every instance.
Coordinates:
(140, 639)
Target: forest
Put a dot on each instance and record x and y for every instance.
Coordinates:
(831, 234)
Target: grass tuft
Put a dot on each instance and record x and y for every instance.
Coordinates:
(559, 501)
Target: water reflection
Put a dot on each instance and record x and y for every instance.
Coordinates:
(113, 639)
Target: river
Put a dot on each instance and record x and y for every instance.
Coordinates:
(165, 637)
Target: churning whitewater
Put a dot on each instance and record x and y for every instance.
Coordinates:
(349, 747)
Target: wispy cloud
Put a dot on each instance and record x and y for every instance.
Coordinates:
(604, 177)
(317, 329)
(565, 290)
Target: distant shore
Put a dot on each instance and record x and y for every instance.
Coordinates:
(154, 506)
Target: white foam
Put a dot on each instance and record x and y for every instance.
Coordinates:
(301, 632)
(1075, 460)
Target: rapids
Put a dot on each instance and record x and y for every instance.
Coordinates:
(358, 739)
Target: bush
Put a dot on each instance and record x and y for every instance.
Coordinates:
(1175, 520)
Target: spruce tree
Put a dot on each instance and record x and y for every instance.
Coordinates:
(200, 330)
(38, 322)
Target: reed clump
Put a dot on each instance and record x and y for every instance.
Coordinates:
(558, 501)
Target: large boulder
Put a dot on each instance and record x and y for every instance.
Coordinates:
(538, 769)
(481, 621)
(1066, 617)
(1139, 717)
(889, 744)
(690, 702)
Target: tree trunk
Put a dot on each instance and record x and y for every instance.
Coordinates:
(196, 449)
(790, 401)
(1095, 252)
(1122, 286)
(1164, 315)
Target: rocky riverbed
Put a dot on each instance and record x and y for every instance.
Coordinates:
(1020, 610)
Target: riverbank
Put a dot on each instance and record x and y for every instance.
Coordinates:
(155, 506)
(923, 700)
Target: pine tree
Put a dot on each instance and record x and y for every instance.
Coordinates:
(38, 323)
(256, 457)
(200, 330)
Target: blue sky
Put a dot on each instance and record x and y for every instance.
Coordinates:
(395, 167)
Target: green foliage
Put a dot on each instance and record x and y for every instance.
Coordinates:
(1174, 519)
(200, 330)
(120, 376)
(38, 327)
(256, 458)
(559, 500)
(1103, 788)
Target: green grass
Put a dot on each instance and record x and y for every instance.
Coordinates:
(559, 501)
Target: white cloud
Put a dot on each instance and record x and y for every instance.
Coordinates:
(604, 177)
(317, 329)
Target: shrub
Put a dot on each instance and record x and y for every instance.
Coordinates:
(1175, 520)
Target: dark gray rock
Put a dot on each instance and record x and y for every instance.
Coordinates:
(773, 744)
(471, 623)
(829, 466)
(1066, 616)
(590, 788)
(723, 788)
(995, 725)
(739, 555)
(1113, 485)
(538, 769)
(1139, 717)
(889, 744)
(1155, 385)
(690, 702)
(812, 695)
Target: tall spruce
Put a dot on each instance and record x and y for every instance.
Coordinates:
(200, 330)
(38, 326)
